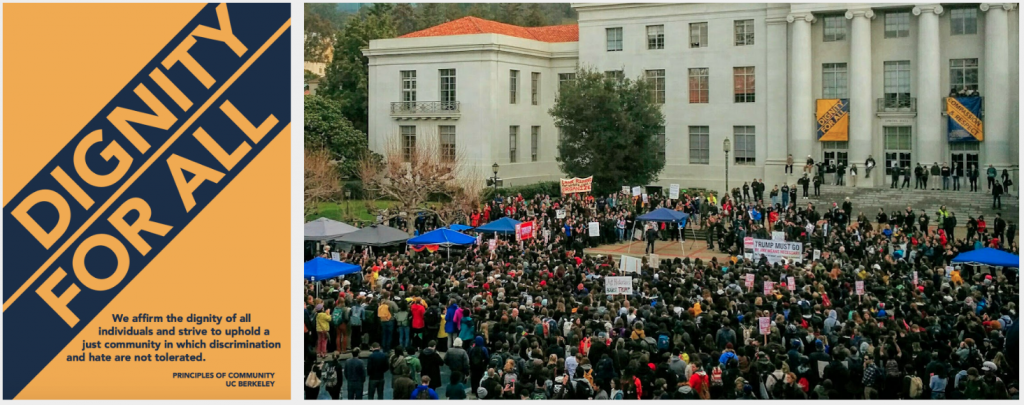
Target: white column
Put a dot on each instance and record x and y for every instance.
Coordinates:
(801, 109)
(929, 138)
(862, 109)
(997, 90)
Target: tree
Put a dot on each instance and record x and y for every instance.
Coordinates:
(405, 18)
(322, 182)
(511, 13)
(430, 14)
(347, 77)
(319, 33)
(412, 174)
(609, 130)
(534, 16)
(480, 10)
(325, 128)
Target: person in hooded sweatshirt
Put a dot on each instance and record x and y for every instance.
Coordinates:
(452, 322)
(831, 322)
(431, 363)
(424, 390)
(479, 357)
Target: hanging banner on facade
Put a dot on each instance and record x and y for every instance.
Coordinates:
(833, 116)
(577, 185)
(964, 119)
(776, 251)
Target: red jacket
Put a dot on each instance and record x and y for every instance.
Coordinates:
(418, 310)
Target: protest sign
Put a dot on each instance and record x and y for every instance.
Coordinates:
(636, 191)
(860, 287)
(775, 250)
(645, 198)
(595, 229)
(336, 256)
(618, 285)
(781, 236)
(768, 285)
(547, 235)
(748, 256)
(673, 191)
(749, 282)
(791, 283)
(817, 254)
(625, 189)
(560, 214)
(577, 185)
(949, 271)
(492, 244)
(915, 277)
(629, 264)
(653, 260)
(524, 230)
(764, 324)
(748, 242)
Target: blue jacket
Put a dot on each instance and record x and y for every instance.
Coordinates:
(449, 325)
(416, 392)
(355, 370)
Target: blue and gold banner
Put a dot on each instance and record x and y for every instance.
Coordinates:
(108, 239)
(833, 116)
(965, 119)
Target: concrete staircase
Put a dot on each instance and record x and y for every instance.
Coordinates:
(962, 203)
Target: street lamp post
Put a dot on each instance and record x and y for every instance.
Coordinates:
(494, 168)
(726, 145)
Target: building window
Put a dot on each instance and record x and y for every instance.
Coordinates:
(655, 37)
(897, 84)
(656, 78)
(409, 86)
(700, 150)
(964, 154)
(660, 136)
(534, 142)
(836, 152)
(699, 35)
(565, 78)
(897, 24)
(963, 74)
(616, 75)
(743, 145)
(964, 21)
(744, 30)
(743, 83)
(408, 142)
(513, 86)
(834, 28)
(614, 36)
(448, 89)
(535, 88)
(447, 133)
(513, 139)
(699, 85)
(833, 81)
(898, 146)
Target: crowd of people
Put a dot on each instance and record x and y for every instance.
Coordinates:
(530, 319)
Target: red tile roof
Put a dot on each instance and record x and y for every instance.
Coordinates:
(473, 25)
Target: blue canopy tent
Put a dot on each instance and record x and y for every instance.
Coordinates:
(322, 269)
(663, 215)
(444, 237)
(504, 225)
(988, 257)
(459, 227)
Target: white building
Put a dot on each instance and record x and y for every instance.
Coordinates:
(487, 86)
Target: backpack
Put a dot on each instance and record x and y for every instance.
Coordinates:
(477, 357)
(383, 312)
(663, 342)
(581, 389)
(432, 316)
(496, 361)
(423, 394)
(338, 317)
(716, 376)
(330, 375)
(916, 387)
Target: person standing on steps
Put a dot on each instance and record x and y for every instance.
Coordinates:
(1007, 182)
(869, 164)
(789, 164)
(958, 172)
(972, 176)
(906, 177)
(853, 175)
(817, 185)
(997, 196)
(920, 179)
(841, 174)
(785, 196)
(991, 173)
(895, 173)
(935, 173)
(945, 176)
(804, 182)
